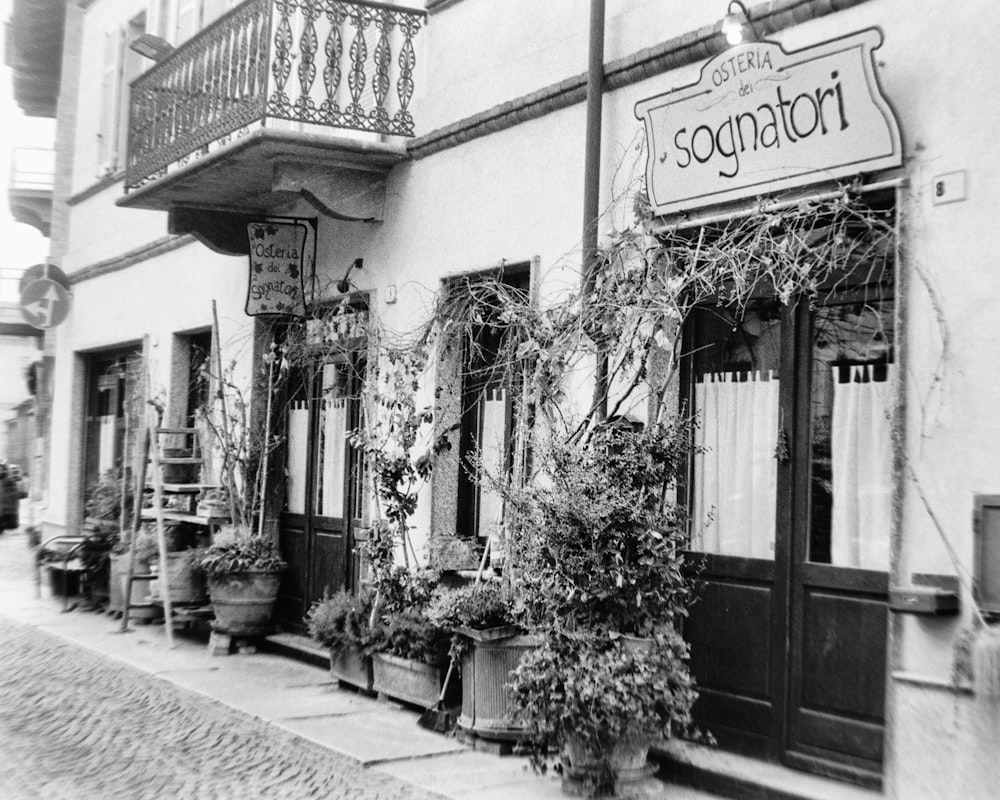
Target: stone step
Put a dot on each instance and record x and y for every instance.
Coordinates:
(732, 775)
(302, 648)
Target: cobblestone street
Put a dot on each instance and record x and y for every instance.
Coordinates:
(75, 724)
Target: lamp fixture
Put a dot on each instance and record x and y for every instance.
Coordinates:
(736, 25)
(344, 285)
(151, 47)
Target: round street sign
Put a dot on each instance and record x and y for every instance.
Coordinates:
(32, 274)
(44, 303)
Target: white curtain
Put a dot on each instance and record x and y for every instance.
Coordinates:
(735, 477)
(334, 435)
(493, 450)
(106, 456)
(298, 433)
(861, 453)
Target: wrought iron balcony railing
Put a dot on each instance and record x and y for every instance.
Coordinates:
(318, 62)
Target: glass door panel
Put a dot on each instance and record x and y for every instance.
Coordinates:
(850, 504)
(331, 441)
(736, 400)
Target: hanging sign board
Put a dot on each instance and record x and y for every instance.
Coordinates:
(760, 120)
(277, 256)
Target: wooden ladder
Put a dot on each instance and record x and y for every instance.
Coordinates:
(156, 462)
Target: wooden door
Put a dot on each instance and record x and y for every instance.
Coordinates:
(841, 469)
(322, 506)
(790, 509)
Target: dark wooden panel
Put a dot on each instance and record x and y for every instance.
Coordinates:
(329, 563)
(826, 735)
(859, 581)
(746, 714)
(732, 568)
(290, 605)
(729, 630)
(843, 655)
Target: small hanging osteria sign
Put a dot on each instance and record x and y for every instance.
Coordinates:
(276, 265)
(760, 120)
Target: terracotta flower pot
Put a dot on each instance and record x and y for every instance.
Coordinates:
(243, 602)
(589, 773)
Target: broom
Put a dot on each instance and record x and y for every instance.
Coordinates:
(437, 718)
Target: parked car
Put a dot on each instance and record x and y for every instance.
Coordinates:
(9, 499)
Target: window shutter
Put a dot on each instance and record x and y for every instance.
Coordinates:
(214, 9)
(187, 20)
(111, 81)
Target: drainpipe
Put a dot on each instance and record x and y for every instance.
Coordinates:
(592, 182)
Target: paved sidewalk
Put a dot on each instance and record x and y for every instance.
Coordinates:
(292, 700)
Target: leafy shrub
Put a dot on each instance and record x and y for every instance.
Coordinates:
(410, 634)
(102, 499)
(601, 691)
(400, 589)
(341, 620)
(476, 605)
(602, 549)
(238, 550)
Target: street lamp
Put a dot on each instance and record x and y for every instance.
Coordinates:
(736, 25)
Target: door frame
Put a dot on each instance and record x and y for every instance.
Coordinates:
(791, 574)
(298, 531)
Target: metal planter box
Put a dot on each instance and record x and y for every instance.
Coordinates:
(410, 681)
(485, 673)
(349, 666)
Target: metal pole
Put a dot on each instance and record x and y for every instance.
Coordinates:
(592, 181)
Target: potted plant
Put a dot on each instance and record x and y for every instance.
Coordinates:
(489, 643)
(144, 552)
(604, 580)
(108, 503)
(242, 566)
(409, 650)
(243, 571)
(601, 703)
(184, 576)
(341, 623)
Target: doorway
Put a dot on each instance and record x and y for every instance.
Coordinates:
(324, 485)
(791, 514)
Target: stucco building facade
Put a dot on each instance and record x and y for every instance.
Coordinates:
(478, 165)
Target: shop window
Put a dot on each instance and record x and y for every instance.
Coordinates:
(114, 413)
(807, 385)
(487, 408)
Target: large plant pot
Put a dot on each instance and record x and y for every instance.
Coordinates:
(349, 665)
(411, 681)
(185, 582)
(495, 653)
(139, 605)
(243, 602)
(587, 773)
